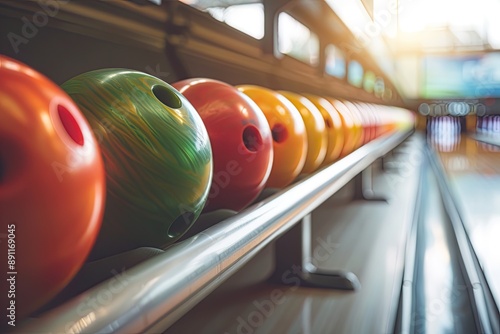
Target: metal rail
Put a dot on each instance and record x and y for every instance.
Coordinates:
(486, 312)
(153, 295)
(406, 300)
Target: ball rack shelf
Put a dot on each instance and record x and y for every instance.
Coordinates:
(165, 287)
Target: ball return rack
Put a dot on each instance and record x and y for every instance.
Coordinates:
(160, 290)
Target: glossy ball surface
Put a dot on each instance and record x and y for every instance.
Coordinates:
(317, 138)
(360, 132)
(241, 141)
(334, 128)
(351, 131)
(52, 186)
(288, 131)
(356, 108)
(372, 120)
(156, 153)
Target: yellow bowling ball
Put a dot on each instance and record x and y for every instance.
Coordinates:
(358, 122)
(351, 131)
(334, 128)
(317, 138)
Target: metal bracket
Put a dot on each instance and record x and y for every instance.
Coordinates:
(363, 186)
(294, 260)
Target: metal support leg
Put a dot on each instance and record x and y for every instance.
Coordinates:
(363, 186)
(294, 262)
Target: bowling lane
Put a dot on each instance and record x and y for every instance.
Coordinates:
(441, 301)
(473, 171)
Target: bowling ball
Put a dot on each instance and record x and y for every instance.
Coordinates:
(365, 113)
(359, 123)
(370, 115)
(156, 153)
(288, 132)
(52, 187)
(356, 108)
(383, 120)
(334, 129)
(380, 115)
(317, 138)
(351, 130)
(242, 145)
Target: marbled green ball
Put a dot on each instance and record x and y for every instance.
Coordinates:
(156, 153)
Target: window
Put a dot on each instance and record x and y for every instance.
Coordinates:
(335, 61)
(464, 76)
(296, 40)
(247, 18)
(379, 87)
(369, 81)
(355, 73)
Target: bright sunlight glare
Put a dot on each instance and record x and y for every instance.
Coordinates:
(479, 16)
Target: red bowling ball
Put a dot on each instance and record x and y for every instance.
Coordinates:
(52, 188)
(241, 142)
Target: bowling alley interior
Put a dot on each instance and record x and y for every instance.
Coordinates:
(250, 166)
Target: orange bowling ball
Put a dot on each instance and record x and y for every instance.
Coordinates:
(378, 119)
(351, 131)
(52, 188)
(367, 112)
(358, 123)
(317, 137)
(288, 131)
(365, 125)
(387, 123)
(375, 119)
(334, 128)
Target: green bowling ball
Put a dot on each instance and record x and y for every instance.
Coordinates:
(156, 153)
